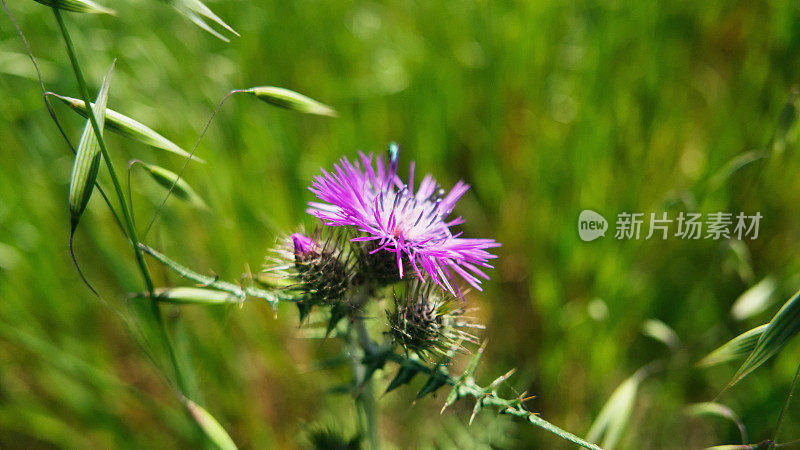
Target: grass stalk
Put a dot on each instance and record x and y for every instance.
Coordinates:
(121, 198)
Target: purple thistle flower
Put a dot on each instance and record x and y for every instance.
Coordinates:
(369, 196)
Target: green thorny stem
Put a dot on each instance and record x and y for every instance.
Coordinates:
(240, 291)
(464, 386)
(131, 229)
(372, 356)
(376, 356)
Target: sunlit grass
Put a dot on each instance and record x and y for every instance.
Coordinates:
(546, 109)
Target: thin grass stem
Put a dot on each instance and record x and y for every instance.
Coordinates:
(186, 161)
(786, 404)
(121, 197)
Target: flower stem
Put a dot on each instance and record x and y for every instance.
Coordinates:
(360, 347)
(131, 230)
(366, 395)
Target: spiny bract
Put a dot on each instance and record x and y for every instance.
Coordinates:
(427, 321)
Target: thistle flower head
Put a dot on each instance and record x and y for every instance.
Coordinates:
(427, 321)
(409, 226)
(320, 267)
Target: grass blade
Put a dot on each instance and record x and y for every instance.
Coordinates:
(130, 128)
(661, 332)
(778, 332)
(614, 416)
(736, 164)
(754, 300)
(732, 447)
(212, 429)
(736, 348)
(714, 409)
(84, 6)
(181, 188)
(87, 160)
(284, 98)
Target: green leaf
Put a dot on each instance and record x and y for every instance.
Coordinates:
(754, 300)
(736, 164)
(437, 379)
(87, 159)
(736, 348)
(338, 313)
(714, 409)
(614, 415)
(779, 331)
(84, 6)
(130, 128)
(404, 376)
(711, 409)
(284, 98)
(303, 310)
(212, 429)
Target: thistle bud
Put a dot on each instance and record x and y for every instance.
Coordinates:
(427, 321)
(319, 269)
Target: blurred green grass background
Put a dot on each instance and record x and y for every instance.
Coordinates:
(546, 108)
